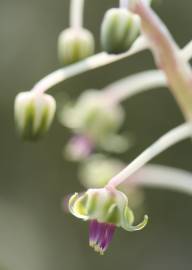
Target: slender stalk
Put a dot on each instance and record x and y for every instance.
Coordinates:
(158, 176)
(90, 63)
(103, 59)
(123, 3)
(133, 85)
(174, 136)
(167, 56)
(186, 53)
(76, 13)
(141, 82)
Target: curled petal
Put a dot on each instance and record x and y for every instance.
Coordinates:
(140, 226)
(76, 208)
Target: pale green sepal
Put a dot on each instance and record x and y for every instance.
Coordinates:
(140, 226)
(76, 208)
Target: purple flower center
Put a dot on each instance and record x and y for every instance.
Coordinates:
(80, 147)
(100, 235)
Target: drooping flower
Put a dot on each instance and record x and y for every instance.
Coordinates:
(93, 116)
(106, 210)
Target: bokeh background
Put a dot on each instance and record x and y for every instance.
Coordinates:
(35, 234)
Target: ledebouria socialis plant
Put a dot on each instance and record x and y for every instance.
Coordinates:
(96, 117)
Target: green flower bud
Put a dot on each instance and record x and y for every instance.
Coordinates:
(119, 30)
(94, 116)
(34, 113)
(75, 45)
(105, 206)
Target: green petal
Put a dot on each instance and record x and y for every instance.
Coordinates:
(77, 208)
(140, 226)
(113, 215)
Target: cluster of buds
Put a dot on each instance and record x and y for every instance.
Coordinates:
(106, 210)
(34, 113)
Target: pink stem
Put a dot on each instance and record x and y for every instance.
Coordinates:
(167, 56)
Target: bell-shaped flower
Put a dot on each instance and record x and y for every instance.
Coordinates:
(106, 210)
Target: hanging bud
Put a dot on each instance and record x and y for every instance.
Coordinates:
(106, 210)
(93, 116)
(119, 29)
(34, 113)
(75, 45)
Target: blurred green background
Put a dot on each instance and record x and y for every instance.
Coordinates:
(35, 234)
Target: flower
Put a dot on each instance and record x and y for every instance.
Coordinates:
(105, 209)
(94, 117)
(34, 113)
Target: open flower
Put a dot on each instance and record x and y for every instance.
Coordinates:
(106, 210)
(93, 116)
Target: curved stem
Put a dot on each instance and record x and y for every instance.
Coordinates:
(76, 13)
(90, 63)
(134, 85)
(167, 56)
(186, 53)
(158, 176)
(174, 136)
(141, 82)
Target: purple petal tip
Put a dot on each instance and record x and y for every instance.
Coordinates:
(100, 235)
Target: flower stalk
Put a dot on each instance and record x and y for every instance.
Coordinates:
(91, 63)
(141, 82)
(164, 177)
(167, 56)
(123, 3)
(76, 14)
(172, 137)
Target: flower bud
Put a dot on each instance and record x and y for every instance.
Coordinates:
(75, 45)
(34, 113)
(93, 116)
(119, 29)
(105, 206)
